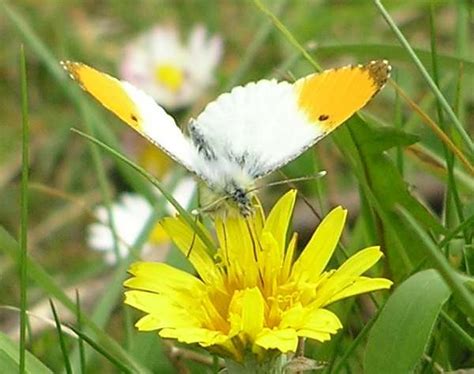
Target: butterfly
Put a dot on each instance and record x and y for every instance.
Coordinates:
(246, 133)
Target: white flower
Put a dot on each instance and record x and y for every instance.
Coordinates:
(174, 73)
(130, 214)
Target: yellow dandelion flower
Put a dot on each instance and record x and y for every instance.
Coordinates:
(252, 296)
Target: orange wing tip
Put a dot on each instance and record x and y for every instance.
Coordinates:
(331, 97)
(379, 72)
(72, 68)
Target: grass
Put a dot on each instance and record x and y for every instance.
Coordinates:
(24, 211)
(403, 167)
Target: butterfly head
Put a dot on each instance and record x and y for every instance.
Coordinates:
(242, 200)
(231, 199)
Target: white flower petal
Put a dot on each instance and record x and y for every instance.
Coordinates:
(197, 60)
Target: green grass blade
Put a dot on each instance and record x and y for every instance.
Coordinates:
(24, 211)
(102, 179)
(70, 89)
(399, 125)
(62, 343)
(469, 222)
(50, 61)
(253, 49)
(124, 368)
(393, 52)
(47, 283)
(284, 30)
(186, 216)
(9, 359)
(444, 103)
(458, 331)
(442, 265)
(82, 356)
(355, 343)
(432, 163)
(463, 37)
(108, 302)
(452, 194)
(403, 329)
(435, 129)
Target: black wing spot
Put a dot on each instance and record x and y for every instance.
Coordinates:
(134, 118)
(323, 117)
(200, 141)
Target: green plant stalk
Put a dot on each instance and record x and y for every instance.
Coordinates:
(362, 334)
(442, 265)
(451, 194)
(435, 128)
(319, 185)
(127, 328)
(103, 182)
(398, 124)
(436, 166)
(425, 102)
(459, 127)
(262, 34)
(360, 171)
(82, 357)
(284, 30)
(122, 366)
(62, 343)
(279, 71)
(24, 212)
(469, 222)
(188, 218)
(462, 47)
(458, 331)
(394, 52)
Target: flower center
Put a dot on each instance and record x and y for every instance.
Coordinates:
(170, 76)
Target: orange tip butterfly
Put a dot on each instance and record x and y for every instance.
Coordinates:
(247, 133)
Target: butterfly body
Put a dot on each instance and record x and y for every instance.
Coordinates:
(247, 133)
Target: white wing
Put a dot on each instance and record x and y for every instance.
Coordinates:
(138, 110)
(257, 125)
(248, 132)
(264, 125)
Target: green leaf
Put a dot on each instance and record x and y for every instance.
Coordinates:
(362, 145)
(9, 358)
(382, 175)
(379, 139)
(401, 333)
(149, 348)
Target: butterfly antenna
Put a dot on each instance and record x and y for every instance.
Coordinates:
(305, 199)
(290, 180)
(208, 207)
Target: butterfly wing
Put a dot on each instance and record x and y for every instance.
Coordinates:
(264, 125)
(136, 109)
